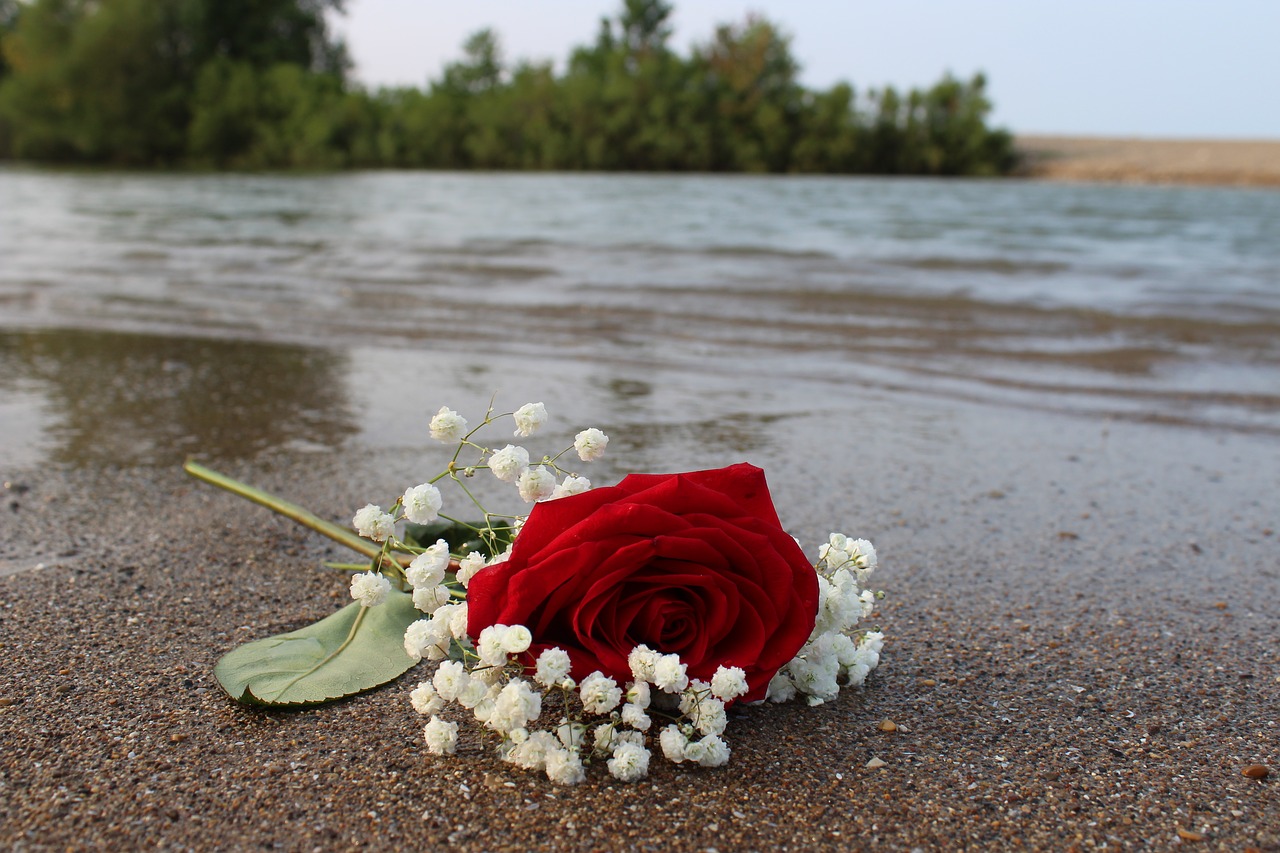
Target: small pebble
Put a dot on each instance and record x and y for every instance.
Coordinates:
(1188, 835)
(888, 726)
(1256, 771)
(929, 682)
(875, 764)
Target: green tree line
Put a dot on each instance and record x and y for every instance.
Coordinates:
(262, 84)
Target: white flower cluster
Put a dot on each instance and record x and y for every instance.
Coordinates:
(421, 504)
(598, 719)
(512, 463)
(836, 653)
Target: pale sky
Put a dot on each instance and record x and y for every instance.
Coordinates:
(1162, 68)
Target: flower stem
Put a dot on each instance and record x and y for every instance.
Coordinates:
(306, 518)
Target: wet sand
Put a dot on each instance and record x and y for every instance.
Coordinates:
(1151, 161)
(1081, 654)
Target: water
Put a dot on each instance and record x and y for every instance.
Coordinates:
(143, 317)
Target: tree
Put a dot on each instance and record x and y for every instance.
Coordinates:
(481, 70)
(267, 32)
(830, 138)
(8, 22)
(645, 27)
(114, 80)
(752, 80)
(262, 84)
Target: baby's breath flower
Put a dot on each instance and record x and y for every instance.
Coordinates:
(429, 599)
(844, 648)
(625, 736)
(553, 666)
(864, 553)
(483, 707)
(634, 716)
(451, 676)
(421, 503)
(603, 736)
(781, 687)
(516, 639)
(815, 674)
(448, 425)
(564, 767)
(642, 660)
(473, 692)
(571, 486)
(669, 674)
(529, 417)
(629, 762)
(370, 588)
(600, 694)
(729, 683)
(442, 737)
(536, 484)
(531, 754)
(428, 568)
(456, 614)
(673, 743)
(590, 444)
(715, 752)
(468, 566)
(516, 705)
(571, 734)
(638, 694)
(710, 718)
(425, 699)
(426, 638)
(866, 657)
(693, 696)
(372, 523)
(509, 463)
(489, 645)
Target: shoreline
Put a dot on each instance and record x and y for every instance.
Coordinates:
(1047, 157)
(1136, 160)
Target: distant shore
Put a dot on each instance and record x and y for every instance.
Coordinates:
(1151, 161)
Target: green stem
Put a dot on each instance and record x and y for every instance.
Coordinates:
(338, 534)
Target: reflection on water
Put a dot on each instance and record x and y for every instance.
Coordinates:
(124, 399)
(253, 311)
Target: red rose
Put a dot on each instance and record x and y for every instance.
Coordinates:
(694, 564)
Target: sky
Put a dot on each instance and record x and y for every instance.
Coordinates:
(1152, 68)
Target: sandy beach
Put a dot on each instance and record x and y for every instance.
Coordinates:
(1081, 655)
(1151, 161)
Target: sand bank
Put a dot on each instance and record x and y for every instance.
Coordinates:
(1152, 161)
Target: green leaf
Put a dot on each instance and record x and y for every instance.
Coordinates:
(356, 649)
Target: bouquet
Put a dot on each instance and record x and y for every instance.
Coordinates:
(598, 625)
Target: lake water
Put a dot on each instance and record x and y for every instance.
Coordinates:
(143, 317)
